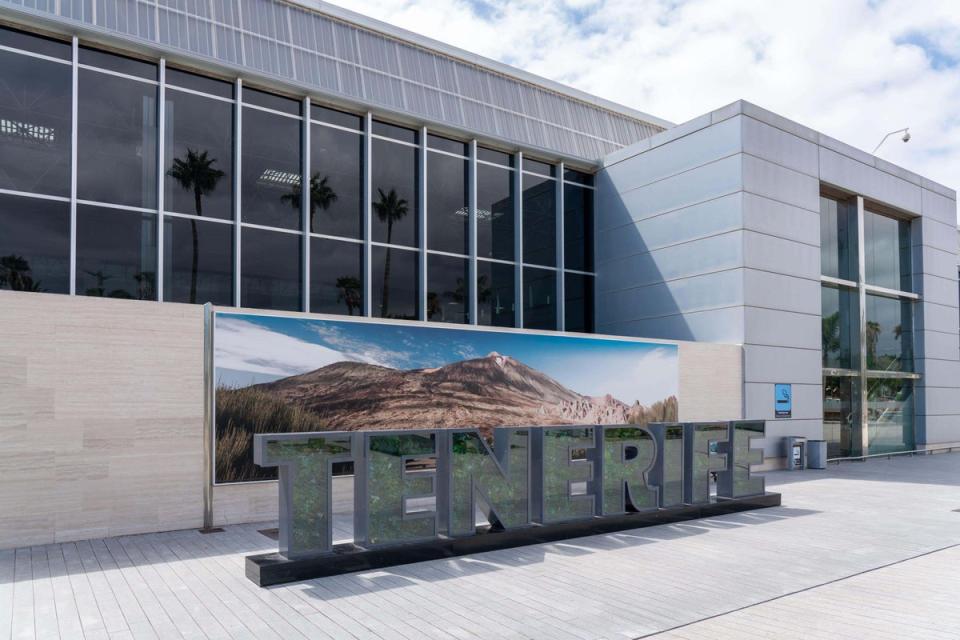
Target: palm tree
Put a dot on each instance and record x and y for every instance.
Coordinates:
(873, 336)
(15, 274)
(390, 208)
(321, 195)
(197, 173)
(831, 333)
(348, 292)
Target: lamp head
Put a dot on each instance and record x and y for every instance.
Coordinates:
(906, 136)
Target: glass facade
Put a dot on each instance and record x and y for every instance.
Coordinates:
(188, 188)
(867, 318)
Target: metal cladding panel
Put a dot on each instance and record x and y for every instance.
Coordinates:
(297, 44)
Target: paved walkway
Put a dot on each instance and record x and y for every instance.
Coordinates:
(863, 550)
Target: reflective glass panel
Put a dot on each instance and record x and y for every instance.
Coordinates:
(841, 420)
(577, 228)
(196, 82)
(889, 334)
(539, 299)
(336, 185)
(394, 283)
(35, 98)
(447, 206)
(116, 253)
(578, 304)
(447, 289)
(271, 101)
(270, 183)
(571, 175)
(339, 118)
(396, 132)
(336, 277)
(496, 157)
(116, 140)
(198, 166)
(394, 192)
(446, 144)
(495, 213)
(496, 300)
(539, 220)
(890, 415)
(37, 44)
(120, 64)
(840, 321)
(270, 270)
(198, 261)
(838, 238)
(536, 166)
(886, 251)
(34, 245)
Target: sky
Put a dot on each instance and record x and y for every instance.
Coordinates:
(252, 349)
(853, 69)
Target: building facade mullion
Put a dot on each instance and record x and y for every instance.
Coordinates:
(561, 264)
(306, 206)
(161, 157)
(472, 305)
(367, 216)
(237, 204)
(74, 100)
(518, 237)
(863, 392)
(422, 221)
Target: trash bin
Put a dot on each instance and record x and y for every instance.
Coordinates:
(796, 452)
(816, 454)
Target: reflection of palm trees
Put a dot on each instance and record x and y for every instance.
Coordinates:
(390, 208)
(321, 195)
(873, 336)
(15, 274)
(831, 333)
(196, 172)
(349, 291)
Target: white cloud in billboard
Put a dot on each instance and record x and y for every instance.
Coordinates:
(245, 346)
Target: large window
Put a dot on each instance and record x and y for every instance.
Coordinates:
(137, 178)
(867, 319)
(117, 132)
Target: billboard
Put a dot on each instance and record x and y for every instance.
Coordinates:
(283, 374)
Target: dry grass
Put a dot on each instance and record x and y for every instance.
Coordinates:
(244, 412)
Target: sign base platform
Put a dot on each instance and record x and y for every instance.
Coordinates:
(272, 568)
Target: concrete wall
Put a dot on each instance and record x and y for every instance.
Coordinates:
(711, 231)
(101, 418)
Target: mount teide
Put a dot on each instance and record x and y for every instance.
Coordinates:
(482, 392)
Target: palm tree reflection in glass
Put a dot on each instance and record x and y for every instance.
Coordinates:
(390, 208)
(198, 174)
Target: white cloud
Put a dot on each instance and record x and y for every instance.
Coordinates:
(627, 377)
(244, 346)
(853, 70)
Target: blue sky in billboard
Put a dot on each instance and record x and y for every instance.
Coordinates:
(252, 349)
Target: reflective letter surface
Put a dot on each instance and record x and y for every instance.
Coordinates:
(566, 462)
(701, 457)
(736, 482)
(628, 456)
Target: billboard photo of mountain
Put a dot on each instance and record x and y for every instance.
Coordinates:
(281, 374)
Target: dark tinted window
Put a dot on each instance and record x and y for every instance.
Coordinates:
(271, 101)
(886, 251)
(196, 82)
(495, 213)
(838, 238)
(447, 206)
(37, 44)
(397, 133)
(271, 170)
(889, 338)
(116, 253)
(336, 277)
(336, 164)
(446, 144)
(117, 138)
(199, 156)
(539, 299)
(447, 289)
(340, 118)
(198, 261)
(270, 270)
(578, 303)
(570, 175)
(577, 228)
(34, 244)
(536, 166)
(495, 294)
(394, 282)
(120, 64)
(539, 221)
(35, 97)
(394, 192)
(496, 157)
(840, 318)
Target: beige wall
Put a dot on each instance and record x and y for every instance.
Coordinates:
(101, 414)
(101, 418)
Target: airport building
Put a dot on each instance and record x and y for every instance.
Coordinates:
(153, 157)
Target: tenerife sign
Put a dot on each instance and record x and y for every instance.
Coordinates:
(418, 493)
